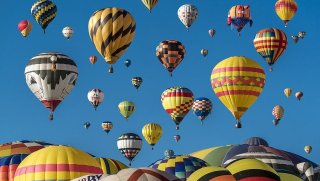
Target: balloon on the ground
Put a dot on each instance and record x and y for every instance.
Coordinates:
(187, 14)
(95, 97)
(286, 9)
(51, 77)
(44, 11)
(129, 144)
(25, 27)
(238, 81)
(152, 132)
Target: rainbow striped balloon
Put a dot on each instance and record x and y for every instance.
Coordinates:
(238, 81)
(270, 43)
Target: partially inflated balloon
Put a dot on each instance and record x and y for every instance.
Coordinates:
(270, 44)
(308, 149)
(67, 32)
(51, 76)
(24, 27)
(149, 3)
(170, 53)
(177, 101)
(286, 9)
(111, 30)
(238, 81)
(126, 108)
(187, 14)
(287, 92)
(202, 108)
(95, 97)
(44, 11)
(239, 16)
(278, 113)
(152, 132)
(129, 144)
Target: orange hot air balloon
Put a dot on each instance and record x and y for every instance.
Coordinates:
(270, 43)
(286, 9)
(24, 27)
(238, 81)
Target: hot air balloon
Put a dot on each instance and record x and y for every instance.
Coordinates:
(239, 16)
(295, 38)
(270, 44)
(212, 32)
(93, 59)
(286, 9)
(9, 165)
(168, 153)
(212, 173)
(176, 138)
(44, 11)
(95, 97)
(21, 147)
(299, 95)
(111, 30)
(308, 149)
(25, 27)
(302, 34)
(107, 126)
(177, 101)
(152, 132)
(170, 53)
(127, 63)
(126, 108)
(57, 163)
(136, 82)
(67, 32)
(182, 166)
(202, 108)
(86, 125)
(51, 76)
(306, 168)
(150, 4)
(277, 112)
(287, 92)
(129, 144)
(204, 52)
(187, 14)
(110, 166)
(238, 81)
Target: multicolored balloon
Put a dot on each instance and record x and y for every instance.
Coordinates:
(295, 38)
(152, 132)
(308, 149)
(212, 32)
(136, 82)
(129, 144)
(67, 32)
(286, 9)
(212, 173)
(95, 97)
(239, 16)
(107, 126)
(93, 59)
(9, 165)
(278, 113)
(238, 81)
(202, 107)
(170, 53)
(110, 166)
(270, 44)
(120, 27)
(177, 138)
(302, 34)
(299, 95)
(187, 14)
(177, 101)
(51, 77)
(25, 27)
(126, 108)
(86, 125)
(150, 4)
(44, 11)
(287, 92)
(204, 52)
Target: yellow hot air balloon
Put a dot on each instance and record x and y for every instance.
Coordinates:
(287, 92)
(152, 132)
(111, 30)
(286, 9)
(56, 163)
(238, 81)
(150, 3)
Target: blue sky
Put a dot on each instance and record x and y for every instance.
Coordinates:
(23, 116)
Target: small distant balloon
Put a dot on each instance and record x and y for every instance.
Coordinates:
(107, 126)
(86, 125)
(295, 38)
(93, 59)
(204, 52)
(278, 113)
(212, 32)
(299, 95)
(67, 32)
(136, 82)
(308, 149)
(177, 138)
(168, 153)
(302, 34)
(287, 92)
(95, 97)
(25, 27)
(127, 63)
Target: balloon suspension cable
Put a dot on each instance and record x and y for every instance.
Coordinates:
(44, 31)
(130, 163)
(51, 116)
(238, 125)
(110, 70)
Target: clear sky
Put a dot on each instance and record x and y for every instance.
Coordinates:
(24, 117)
